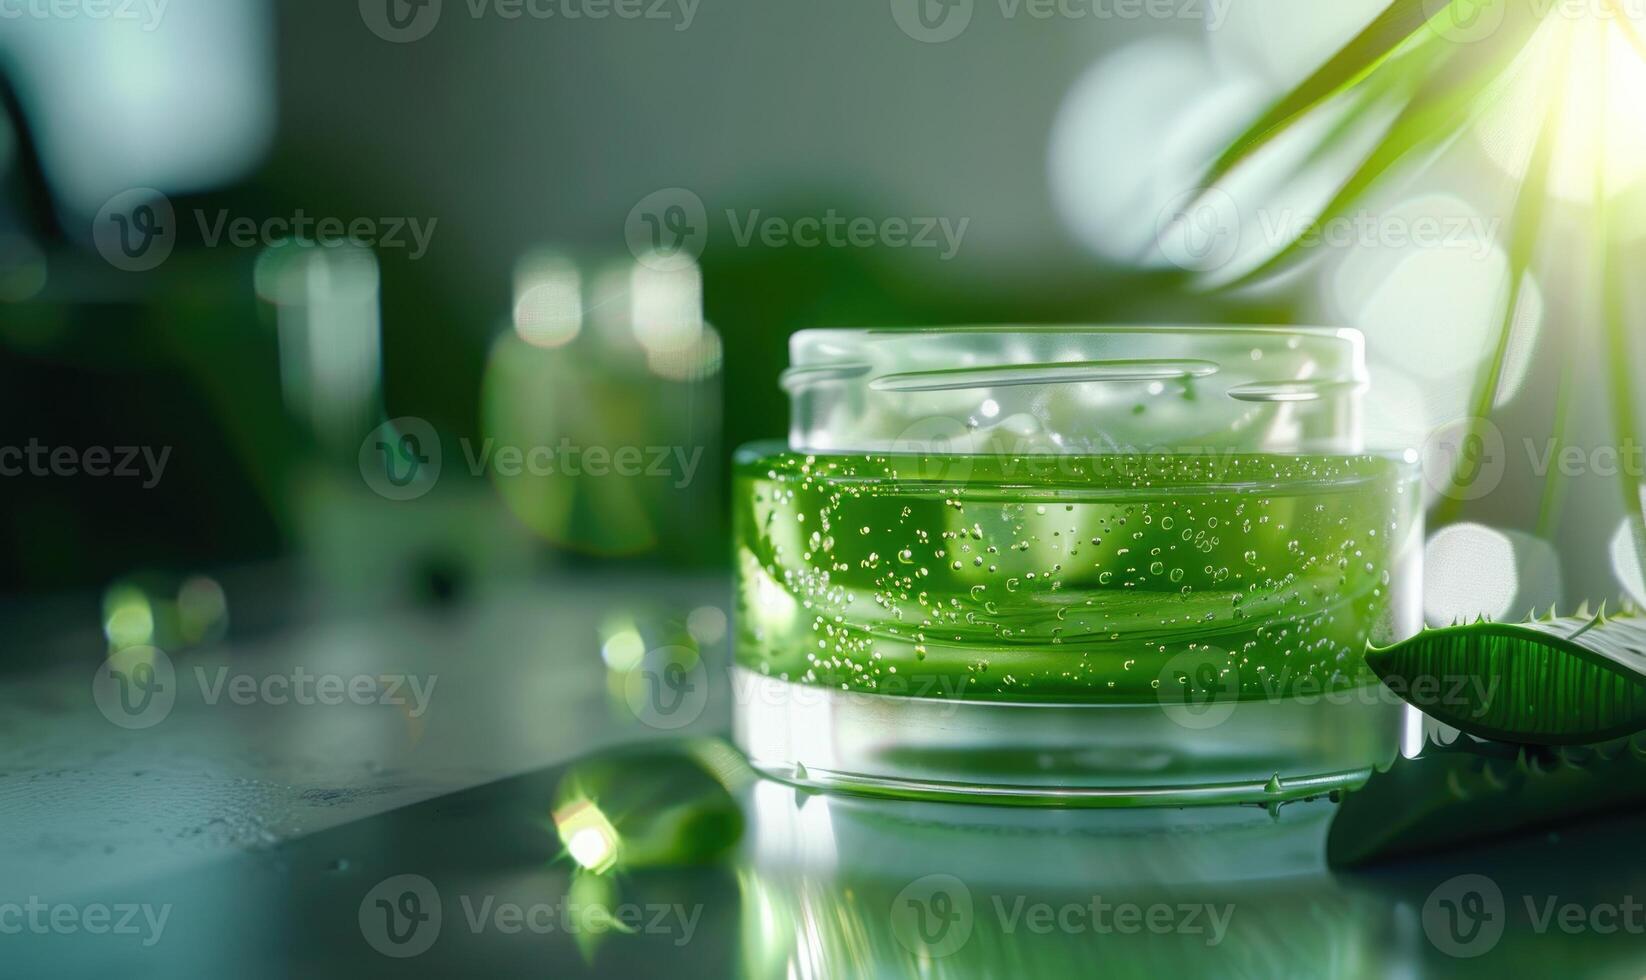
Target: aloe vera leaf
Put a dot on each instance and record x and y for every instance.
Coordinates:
(1388, 32)
(1400, 78)
(1449, 101)
(1565, 681)
(1374, 103)
(1470, 792)
(1553, 497)
(1609, 238)
(1526, 226)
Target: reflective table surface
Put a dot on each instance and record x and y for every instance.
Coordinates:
(520, 817)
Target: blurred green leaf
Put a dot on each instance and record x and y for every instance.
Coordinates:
(1526, 227)
(1394, 28)
(1469, 79)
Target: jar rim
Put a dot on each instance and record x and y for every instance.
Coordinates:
(1318, 330)
(1345, 347)
(1098, 385)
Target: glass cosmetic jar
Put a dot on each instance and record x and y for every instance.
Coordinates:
(1084, 566)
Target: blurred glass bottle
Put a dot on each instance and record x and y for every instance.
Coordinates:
(602, 409)
(374, 517)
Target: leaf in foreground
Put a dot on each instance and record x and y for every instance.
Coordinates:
(1471, 792)
(1556, 681)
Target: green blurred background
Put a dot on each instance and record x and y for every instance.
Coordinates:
(541, 155)
(516, 141)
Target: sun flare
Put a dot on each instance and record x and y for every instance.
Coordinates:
(1592, 64)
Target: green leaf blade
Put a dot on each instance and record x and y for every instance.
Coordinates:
(1555, 682)
(1396, 26)
(1402, 79)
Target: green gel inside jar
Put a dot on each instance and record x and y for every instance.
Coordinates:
(1067, 578)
